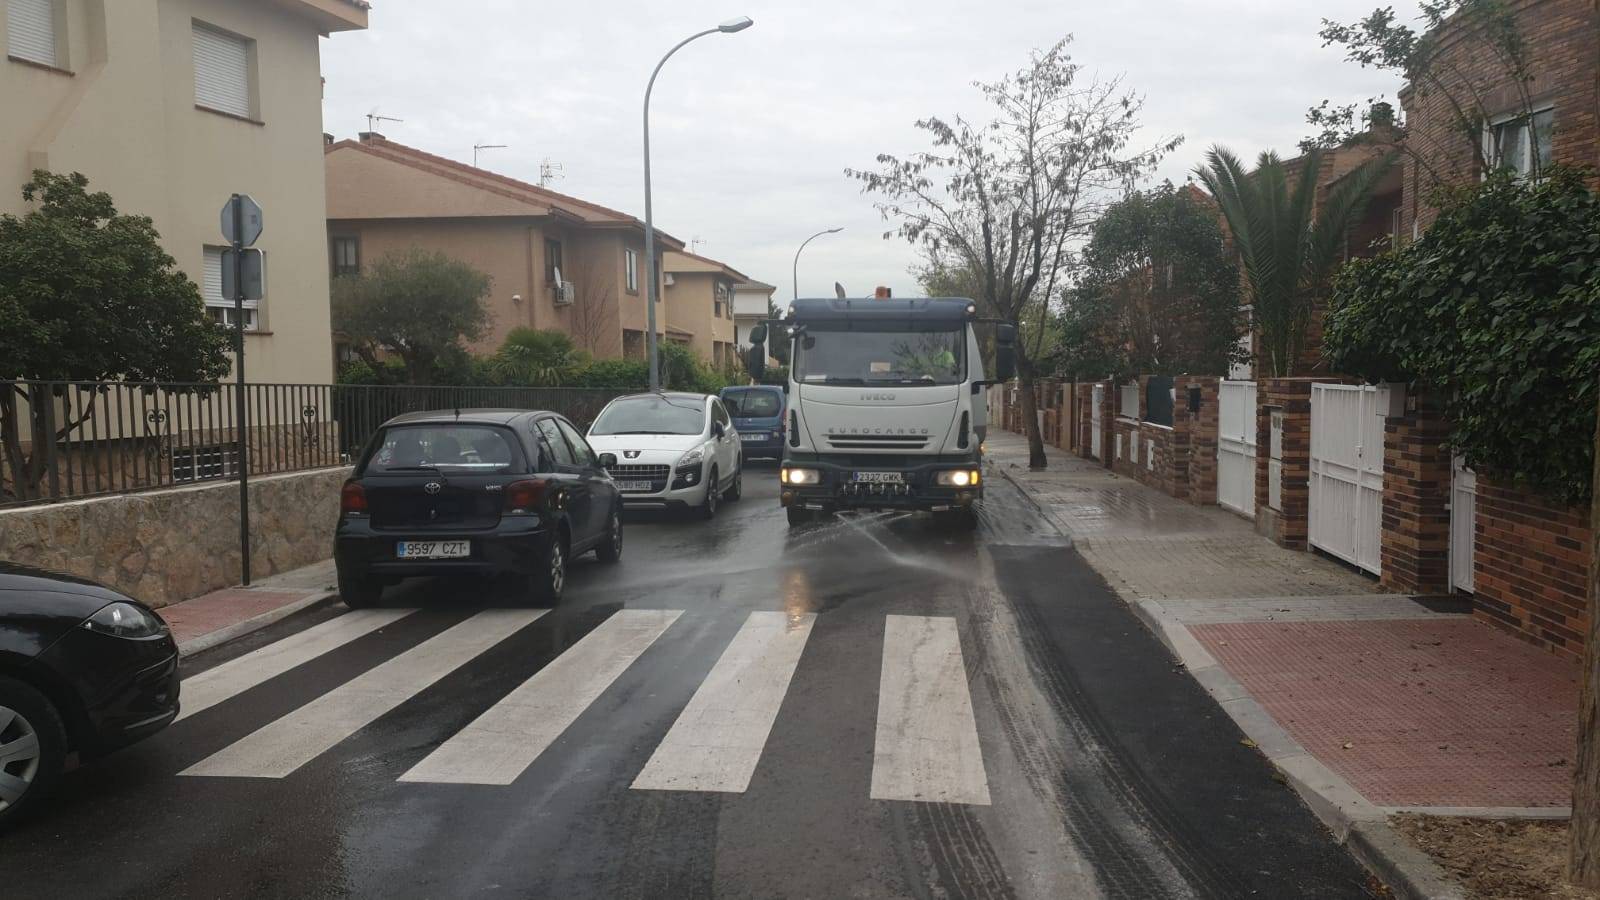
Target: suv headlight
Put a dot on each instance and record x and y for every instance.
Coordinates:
(957, 478)
(692, 458)
(124, 620)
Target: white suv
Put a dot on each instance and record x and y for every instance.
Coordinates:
(673, 450)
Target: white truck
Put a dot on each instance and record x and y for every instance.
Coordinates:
(886, 403)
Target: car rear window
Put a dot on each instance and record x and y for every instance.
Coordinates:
(446, 447)
(753, 404)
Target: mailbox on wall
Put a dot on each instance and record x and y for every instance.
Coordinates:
(1194, 398)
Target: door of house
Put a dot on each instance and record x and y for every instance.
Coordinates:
(1346, 503)
(1463, 525)
(1095, 436)
(1236, 446)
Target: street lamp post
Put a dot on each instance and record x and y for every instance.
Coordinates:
(795, 274)
(653, 296)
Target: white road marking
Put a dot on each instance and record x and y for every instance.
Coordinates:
(717, 741)
(507, 738)
(927, 740)
(236, 676)
(301, 736)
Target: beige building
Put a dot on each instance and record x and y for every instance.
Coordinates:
(699, 302)
(171, 106)
(555, 262)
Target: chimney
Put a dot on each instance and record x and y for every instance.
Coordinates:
(370, 136)
(881, 293)
(1380, 117)
(327, 139)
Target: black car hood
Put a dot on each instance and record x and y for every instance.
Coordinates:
(38, 607)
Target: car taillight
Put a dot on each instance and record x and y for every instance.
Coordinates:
(524, 496)
(353, 499)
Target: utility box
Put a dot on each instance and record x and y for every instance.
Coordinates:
(1275, 462)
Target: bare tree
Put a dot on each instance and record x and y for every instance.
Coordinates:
(594, 315)
(1010, 200)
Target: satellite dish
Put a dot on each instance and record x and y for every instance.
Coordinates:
(838, 290)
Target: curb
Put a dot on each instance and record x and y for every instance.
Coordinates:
(253, 624)
(1027, 495)
(1357, 824)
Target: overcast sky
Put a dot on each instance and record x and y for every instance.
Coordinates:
(751, 132)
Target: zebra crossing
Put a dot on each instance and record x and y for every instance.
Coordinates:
(926, 745)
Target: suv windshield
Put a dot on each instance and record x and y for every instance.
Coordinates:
(652, 415)
(481, 448)
(752, 403)
(882, 357)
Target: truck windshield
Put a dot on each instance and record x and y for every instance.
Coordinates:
(881, 357)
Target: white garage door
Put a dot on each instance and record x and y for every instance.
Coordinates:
(1347, 473)
(1236, 446)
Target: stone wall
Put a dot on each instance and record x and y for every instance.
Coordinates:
(1416, 500)
(165, 546)
(1531, 567)
(1287, 525)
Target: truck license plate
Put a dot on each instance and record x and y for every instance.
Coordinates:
(433, 549)
(879, 478)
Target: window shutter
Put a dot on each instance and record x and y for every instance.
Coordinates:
(211, 278)
(221, 72)
(31, 29)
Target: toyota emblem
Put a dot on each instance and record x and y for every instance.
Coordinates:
(432, 487)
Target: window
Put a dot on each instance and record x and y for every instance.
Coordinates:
(449, 448)
(1521, 143)
(222, 72)
(909, 358)
(580, 447)
(556, 443)
(221, 308)
(346, 256)
(719, 304)
(552, 260)
(33, 32)
(630, 262)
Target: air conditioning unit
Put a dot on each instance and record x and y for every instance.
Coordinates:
(670, 280)
(566, 292)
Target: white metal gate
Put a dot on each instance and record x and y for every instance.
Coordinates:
(1463, 525)
(1346, 504)
(1095, 437)
(1236, 446)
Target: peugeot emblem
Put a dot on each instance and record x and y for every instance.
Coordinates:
(432, 487)
(632, 454)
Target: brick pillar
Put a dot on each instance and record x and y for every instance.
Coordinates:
(1200, 430)
(1287, 524)
(1416, 500)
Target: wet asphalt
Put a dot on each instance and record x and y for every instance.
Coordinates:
(1110, 772)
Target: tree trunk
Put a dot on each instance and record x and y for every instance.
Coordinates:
(1030, 415)
(1584, 853)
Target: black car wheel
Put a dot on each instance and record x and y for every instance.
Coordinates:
(610, 549)
(737, 490)
(358, 592)
(33, 748)
(548, 581)
(709, 510)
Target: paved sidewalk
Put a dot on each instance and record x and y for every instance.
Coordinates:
(1369, 703)
(222, 615)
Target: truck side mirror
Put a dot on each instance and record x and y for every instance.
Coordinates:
(1005, 352)
(755, 359)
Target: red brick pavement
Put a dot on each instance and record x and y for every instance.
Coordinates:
(1437, 712)
(219, 609)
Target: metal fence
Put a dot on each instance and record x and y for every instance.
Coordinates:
(67, 440)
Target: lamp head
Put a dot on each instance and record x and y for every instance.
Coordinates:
(732, 25)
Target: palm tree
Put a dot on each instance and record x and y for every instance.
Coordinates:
(1287, 245)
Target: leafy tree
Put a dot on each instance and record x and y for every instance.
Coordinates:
(1288, 243)
(537, 358)
(415, 304)
(1158, 293)
(1008, 200)
(87, 294)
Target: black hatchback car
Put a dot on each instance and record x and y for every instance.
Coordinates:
(479, 492)
(83, 669)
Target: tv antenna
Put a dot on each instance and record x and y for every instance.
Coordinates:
(694, 244)
(548, 172)
(477, 147)
(373, 119)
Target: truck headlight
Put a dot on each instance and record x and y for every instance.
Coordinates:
(801, 476)
(957, 478)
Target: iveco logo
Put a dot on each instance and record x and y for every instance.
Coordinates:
(432, 487)
(632, 454)
(877, 396)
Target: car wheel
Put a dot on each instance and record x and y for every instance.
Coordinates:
(33, 748)
(737, 490)
(709, 509)
(550, 579)
(610, 549)
(358, 592)
(798, 515)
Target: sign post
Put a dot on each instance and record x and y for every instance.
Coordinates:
(241, 225)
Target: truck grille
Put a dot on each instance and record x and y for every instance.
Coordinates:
(895, 442)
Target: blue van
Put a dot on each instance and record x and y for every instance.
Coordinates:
(758, 415)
